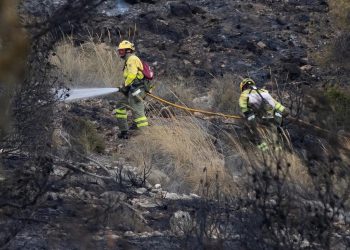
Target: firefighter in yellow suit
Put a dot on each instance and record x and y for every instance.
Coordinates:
(257, 104)
(132, 89)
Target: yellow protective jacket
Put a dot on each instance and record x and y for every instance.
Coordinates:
(132, 69)
(251, 100)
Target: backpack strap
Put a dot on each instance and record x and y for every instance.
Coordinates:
(263, 100)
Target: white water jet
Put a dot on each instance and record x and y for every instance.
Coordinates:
(69, 95)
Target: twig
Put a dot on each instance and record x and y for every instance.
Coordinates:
(88, 158)
(97, 163)
(74, 168)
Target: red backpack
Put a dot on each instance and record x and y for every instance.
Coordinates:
(147, 71)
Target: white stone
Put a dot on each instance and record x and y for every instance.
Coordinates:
(157, 233)
(181, 223)
(157, 186)
(306, 67)
(186, 62)
(141, 190)
(305, 244)
(129, 234)
(172, 196)
(261, 45)
(194, 196)
(144, 203)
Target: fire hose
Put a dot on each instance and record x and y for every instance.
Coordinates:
(209, 113)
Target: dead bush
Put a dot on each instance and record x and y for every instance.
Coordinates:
(340, 10)
(179, 91)
(336, 53)
(92, 63)
(339, 100)
(339, 51)
(83, 135)
(226, 94)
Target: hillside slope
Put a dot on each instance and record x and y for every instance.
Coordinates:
(189, 181)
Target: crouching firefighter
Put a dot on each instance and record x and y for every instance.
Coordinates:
(258, 105)
(133, 91)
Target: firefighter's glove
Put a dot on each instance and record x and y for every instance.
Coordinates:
(278, 118)
(124, 90)
(285, 113)
(249, 116)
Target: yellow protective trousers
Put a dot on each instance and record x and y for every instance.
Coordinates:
(137, 107)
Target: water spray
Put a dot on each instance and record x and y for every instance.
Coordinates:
(71, 95)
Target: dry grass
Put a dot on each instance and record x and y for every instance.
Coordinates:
(336, 52)
(276, 159)
(340, 10)
(295, 169)
(226, 94)
(92, 63)
(182, 149)
(179, 151)
(183, 158)
(179, 91)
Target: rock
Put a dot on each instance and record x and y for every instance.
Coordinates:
(113, 198)
(181, 9)
(181, 223)
(52, 196)
(195, 196)
(204, 102)
(141, 190)
(186, 62)
(306, 67)
(198, 114)
(143, 202)
(261, 45)
(175, 196)
(281, 20)
(157, 233)
(157, 186)
(172, 196)
(129, 234)
(305, 244)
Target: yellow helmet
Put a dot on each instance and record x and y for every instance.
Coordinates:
(245, 82)
(126, 45)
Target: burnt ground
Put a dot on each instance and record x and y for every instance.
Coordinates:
(202, 39)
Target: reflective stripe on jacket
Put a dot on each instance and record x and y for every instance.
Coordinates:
(250, 99)
(132, 70)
